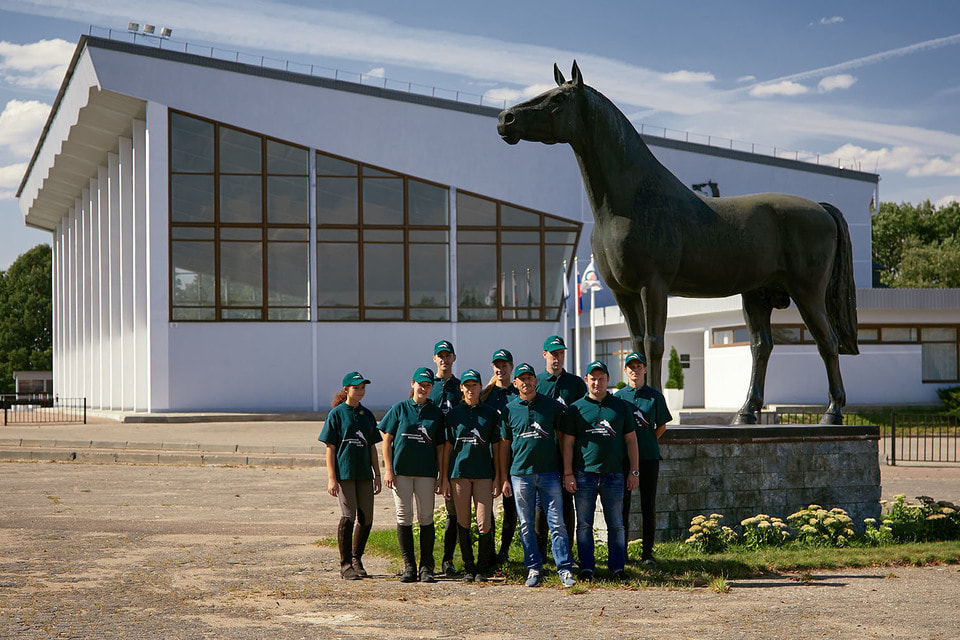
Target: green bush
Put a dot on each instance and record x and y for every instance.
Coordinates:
(877, 536)
(763, 531)
(928, 521)
(708, 535)
(821, 528)
(950, 397)
(674, 371)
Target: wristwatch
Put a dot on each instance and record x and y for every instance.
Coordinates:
(635, 473)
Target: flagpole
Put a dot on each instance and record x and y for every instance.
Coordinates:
(576, 320)
(566, 296)
(593, 322)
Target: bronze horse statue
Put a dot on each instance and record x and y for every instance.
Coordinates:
(654, 237)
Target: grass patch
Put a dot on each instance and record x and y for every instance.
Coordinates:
(680, 567)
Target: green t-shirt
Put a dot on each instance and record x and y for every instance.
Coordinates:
(446, 394)
(500, 396)
(598, 429)
(650, 411)
(351, 431)
(472, 431)
(565, 387)
(417, 431)
(531, 427)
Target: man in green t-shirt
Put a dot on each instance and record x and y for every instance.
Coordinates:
(446, 394)
(597, 430)
(652, 416)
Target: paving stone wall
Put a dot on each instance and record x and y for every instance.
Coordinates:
(777, 470)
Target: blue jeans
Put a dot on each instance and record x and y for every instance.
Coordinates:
(545, 487)
(609, 486)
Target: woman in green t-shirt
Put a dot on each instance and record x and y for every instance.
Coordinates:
(412, 444)
(353, 473)
(471, 473)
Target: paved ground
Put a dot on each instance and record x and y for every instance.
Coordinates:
(185, 550)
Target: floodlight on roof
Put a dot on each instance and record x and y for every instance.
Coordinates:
(165, 32)
(133, 26)
(149, 29)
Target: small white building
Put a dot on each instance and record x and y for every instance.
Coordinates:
(233, 237)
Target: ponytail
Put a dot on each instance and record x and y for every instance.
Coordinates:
(339, 398)
(487, 390)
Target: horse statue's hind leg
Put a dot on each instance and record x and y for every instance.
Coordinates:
(756, 311)
(814, 313)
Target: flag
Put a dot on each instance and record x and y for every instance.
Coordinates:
(590, 280)
(579, 297)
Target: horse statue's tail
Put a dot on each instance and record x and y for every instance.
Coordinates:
(841, 290)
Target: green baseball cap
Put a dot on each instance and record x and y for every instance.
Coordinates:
(596, 364)
(423, 374)
(470, 374)
(554, 343)
(502, 354)
(443, 345)
(354, 378)
(635, 356)
(523, 368)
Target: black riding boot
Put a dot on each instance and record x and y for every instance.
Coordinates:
(427, 539)
(345, 543)
(405, 538)
(360, 535)
(466, 551)
(449, 540)
(485, 556)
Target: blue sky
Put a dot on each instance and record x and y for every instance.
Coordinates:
(869, 84)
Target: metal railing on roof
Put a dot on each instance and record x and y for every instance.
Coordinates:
(318, 71)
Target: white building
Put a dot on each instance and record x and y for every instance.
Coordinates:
(231, 237)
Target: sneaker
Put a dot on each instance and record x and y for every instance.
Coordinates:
(533, 578)
(619, 577)
(567, 579)
(586, 576)
(649, 561)
(468, 577)
(448, 569)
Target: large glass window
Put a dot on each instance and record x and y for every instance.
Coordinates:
(510, 260)
(239, 224)
(383, 244)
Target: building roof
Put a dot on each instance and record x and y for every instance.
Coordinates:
(85, 122)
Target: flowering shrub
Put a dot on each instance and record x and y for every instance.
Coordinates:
(927, 521)
(877, 536)
(708, 535)
(818, 527)
(763, 531)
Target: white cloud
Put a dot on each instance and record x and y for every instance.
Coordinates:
(911, 160)
(831, 83)
(378, 72)
(510, 96)
(38, 65)
(937, 166)
(784, 88)
(745, 79)
(20, 125)
(945, 200)
(683, 76)
(10, 177)
(832, 20)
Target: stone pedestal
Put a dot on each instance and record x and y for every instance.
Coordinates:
(777, 470)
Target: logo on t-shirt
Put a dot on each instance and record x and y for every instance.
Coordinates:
(603, 428)
(642, 419)
(535, 431)
(358, 439)
(420, 434)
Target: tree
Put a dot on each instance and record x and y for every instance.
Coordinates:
(26, 316)
(916, 245)
(674, 371)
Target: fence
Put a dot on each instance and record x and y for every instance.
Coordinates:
(904, 437)
(42, 408)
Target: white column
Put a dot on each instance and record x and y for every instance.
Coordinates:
(125, 147)
(158, 256)
(75, 371)
(140, 351)
(57, 320)
(116, 340)
(96, 287)
(103, 206)
(83, 294)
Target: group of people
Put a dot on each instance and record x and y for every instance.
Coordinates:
(543, 443)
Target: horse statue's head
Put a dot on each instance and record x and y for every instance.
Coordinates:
(551, 117)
